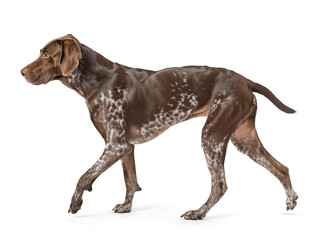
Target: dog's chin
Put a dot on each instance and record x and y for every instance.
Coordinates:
(36, 80)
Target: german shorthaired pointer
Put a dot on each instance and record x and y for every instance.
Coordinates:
(129, 106)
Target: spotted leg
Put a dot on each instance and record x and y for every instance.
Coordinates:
(128, 163)
(224, 116)
(246, 140)
(108, 158)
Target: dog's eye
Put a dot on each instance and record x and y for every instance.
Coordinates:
(45, 55)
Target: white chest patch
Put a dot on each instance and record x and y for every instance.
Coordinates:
(110, 114)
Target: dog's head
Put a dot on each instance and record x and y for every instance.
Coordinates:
(57, 59)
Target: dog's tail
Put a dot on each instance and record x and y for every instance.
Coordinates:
(269, 95)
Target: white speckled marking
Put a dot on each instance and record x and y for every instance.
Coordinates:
(185, 105)
(110, 113)
(213, 150)
(73, 78)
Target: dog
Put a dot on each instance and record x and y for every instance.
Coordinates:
(130, 106)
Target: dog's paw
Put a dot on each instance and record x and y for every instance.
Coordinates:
(193, 215)
(75, 206)
(123, 208)
(291, 201)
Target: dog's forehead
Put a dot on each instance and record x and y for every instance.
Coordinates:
(52, 47)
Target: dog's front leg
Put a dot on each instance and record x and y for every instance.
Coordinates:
(128, 163)
(108, 158)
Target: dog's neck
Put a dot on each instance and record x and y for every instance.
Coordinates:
(88, 77)
(96, 74)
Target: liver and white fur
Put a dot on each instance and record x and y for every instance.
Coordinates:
(129, 106)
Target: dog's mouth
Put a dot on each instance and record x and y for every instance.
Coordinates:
(33, 79)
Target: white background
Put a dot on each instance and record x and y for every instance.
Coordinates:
(48, 141)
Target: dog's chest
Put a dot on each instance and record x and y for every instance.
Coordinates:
(108, 115)
(107, 108)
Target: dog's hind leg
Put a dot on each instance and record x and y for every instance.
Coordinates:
(225, 115)
(246, 140)
(129, 169)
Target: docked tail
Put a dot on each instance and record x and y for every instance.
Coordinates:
(269, 95)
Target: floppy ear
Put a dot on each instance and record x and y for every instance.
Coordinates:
(70, 56)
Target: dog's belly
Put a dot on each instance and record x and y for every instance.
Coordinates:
(161, 122)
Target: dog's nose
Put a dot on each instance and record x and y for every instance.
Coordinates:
(24, 71)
